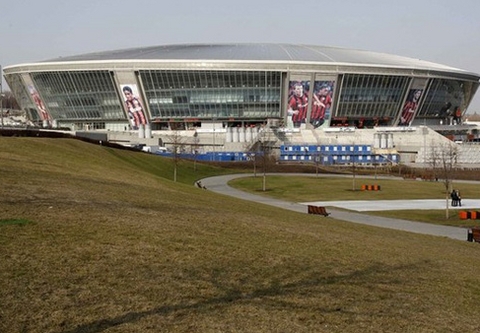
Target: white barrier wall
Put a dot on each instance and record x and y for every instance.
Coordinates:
(148, 131)
(141, 131)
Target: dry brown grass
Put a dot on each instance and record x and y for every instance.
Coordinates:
(113, 247)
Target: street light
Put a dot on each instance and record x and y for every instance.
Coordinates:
(253, 157)
(213, 146)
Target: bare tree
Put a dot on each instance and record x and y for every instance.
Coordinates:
(443, 161)
(353, 158)
(266, 148)
(8, 101)
(318, 158)
(177, 146)
(252, 151)
(194, 149)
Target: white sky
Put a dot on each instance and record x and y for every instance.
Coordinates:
(446, 32)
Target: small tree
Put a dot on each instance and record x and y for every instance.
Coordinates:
(265, 153)
(354, 166)
(318, 158)
(177, 144)
(443, 161)
(194, 149)
(252, 153)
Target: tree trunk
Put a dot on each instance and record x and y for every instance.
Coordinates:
(446, 206)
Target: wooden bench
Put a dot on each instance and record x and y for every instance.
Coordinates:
(474, 235)
(318, 210)
(199, 185)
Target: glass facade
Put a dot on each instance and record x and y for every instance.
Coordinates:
(445, 96)
(19, 89)
(95, 97)
(88, 95)
(212, 94)
(371, 96)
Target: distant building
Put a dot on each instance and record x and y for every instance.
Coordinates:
(228, 101)
(180, 86)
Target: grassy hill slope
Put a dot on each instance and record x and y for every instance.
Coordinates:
(94, 239)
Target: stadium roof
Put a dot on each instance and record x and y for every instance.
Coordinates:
(259, 52)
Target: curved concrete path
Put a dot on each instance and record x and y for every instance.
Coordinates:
(218, 184)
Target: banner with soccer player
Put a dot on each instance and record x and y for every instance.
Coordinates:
(297, 104)
(41, 109)
(321, 103)
(134, 106)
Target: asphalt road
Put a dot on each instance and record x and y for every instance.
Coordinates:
(218, 184)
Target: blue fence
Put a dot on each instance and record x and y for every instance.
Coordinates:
(323, 154)
(211, 156)
(334, 154)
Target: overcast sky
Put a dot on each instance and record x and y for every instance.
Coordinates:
(446, 32)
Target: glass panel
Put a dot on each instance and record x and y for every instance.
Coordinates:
(23, 97)
(79, 95)
(444, 96)
(371, 96)
(207, 94)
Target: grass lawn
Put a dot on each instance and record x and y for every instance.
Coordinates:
(112, 244)
(328, 188)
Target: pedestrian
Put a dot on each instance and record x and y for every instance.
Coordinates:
(459, 198)
(453, 195)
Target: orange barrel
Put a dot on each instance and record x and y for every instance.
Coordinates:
(462, 215)
(473, 215)
(364, 187)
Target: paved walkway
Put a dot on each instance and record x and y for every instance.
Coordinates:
(219, 184)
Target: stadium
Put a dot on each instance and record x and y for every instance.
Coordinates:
(227, 101)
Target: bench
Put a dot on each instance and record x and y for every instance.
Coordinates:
(474, 235)
(318, 210)
(199, 185)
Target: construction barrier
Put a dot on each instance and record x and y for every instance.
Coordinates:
(469, 215)
(370, 187)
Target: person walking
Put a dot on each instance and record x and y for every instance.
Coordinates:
(453, 195)
(459, 198)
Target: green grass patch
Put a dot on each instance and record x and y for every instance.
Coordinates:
(336, 188)
(430, 216)
(14, 221)
(333, 188)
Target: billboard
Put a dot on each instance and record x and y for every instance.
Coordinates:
(307, 103)
(41, 109)
(297, 105)
(133, 106)
(410, 107)
(321, 103)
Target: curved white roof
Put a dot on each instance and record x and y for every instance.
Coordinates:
(285, 55)
(259, 52)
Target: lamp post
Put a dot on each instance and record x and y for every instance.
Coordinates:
(253, 158)
(317, 161)
(213, 145)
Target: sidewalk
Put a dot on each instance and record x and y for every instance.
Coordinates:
(218, 184)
